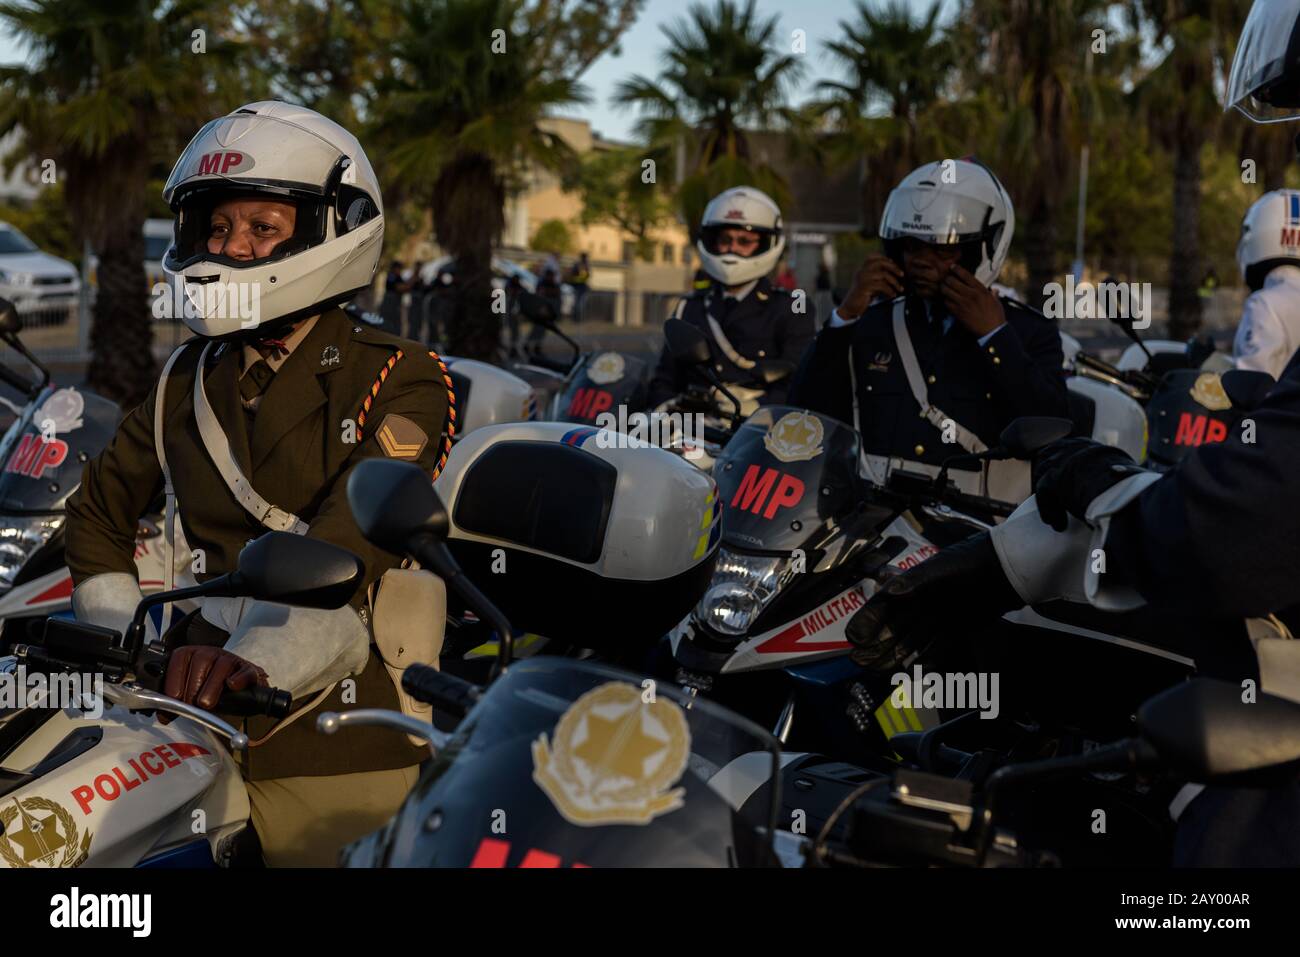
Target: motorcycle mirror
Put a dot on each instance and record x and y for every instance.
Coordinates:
(1203, 729)
(1127, 323)
(395, 506)
(1030, 434)
(10, 322)
(1246, 388)
(687, 344)
(537, 309)
(393, 503)
(296, 570)
(280, 567)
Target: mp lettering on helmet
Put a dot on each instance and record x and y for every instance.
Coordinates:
(734, 214)
(1291, 231)
(221, 162)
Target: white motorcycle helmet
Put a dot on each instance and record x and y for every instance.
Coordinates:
(1264, 83)
(1270, 236)
(742, 207)
(952, 202)
(273, 150)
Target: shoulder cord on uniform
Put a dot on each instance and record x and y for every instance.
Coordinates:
(451, 402)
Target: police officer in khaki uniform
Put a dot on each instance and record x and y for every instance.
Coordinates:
(258, 422)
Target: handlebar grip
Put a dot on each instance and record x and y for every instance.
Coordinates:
(431, 686)
(271, 702)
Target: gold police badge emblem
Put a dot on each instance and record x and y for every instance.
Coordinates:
(613, 757)
(38, 832)
(606, 368)
(795, 437)
(1208, 391)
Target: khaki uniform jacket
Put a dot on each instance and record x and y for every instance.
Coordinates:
(307, 437)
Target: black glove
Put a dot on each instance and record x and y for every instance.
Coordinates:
(1070, 473)
(963, 583)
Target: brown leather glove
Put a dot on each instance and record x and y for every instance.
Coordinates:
(199, 674)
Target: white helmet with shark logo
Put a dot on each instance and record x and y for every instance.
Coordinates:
(953, 203)
(273, 150)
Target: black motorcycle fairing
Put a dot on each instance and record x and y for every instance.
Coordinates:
(481, 801)
(1178, 419)
(603, 382)
(48, 449)
(784, 474)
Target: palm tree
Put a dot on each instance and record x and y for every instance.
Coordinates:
(108, 91)
(1183, 113)
(722, 76)
(1028, 59)
(898, 67)
(461, 123)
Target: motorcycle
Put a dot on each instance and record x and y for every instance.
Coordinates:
(586, 386)
(556, 762)
(1178, 384)
(96, 780)
(955, 808)
(54, 434)
(702, 401)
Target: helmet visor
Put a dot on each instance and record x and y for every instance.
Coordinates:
(936, 217)
(736, 241)
(1264, 82)
(248, 150)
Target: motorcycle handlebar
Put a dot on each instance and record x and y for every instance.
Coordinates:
(272, 702)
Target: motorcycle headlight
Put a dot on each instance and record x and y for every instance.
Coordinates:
(741, 588)
(20, 537)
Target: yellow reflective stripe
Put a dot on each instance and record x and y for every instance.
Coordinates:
(884, 723)
(913, 719)
(702, 546)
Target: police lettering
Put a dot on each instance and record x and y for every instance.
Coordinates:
(755, 489)
(112, 784)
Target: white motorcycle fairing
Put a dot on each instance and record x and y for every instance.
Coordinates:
(136, 790)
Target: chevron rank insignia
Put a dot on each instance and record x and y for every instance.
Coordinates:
(400, 438)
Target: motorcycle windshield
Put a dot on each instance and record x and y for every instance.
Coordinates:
(784, 473)
(605, 383)
(45, 451)
(568, 764)
(1188, 409)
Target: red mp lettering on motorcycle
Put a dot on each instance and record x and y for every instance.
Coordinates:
(589, 403)
(757, 486)
(34, 455)
(1199, 429)
(115, 782)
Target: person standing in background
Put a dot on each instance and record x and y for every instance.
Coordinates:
(579, 278)
(390, 308)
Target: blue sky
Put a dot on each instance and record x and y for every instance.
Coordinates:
(642, 44)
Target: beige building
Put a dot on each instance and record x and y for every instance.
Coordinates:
(625, 289)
